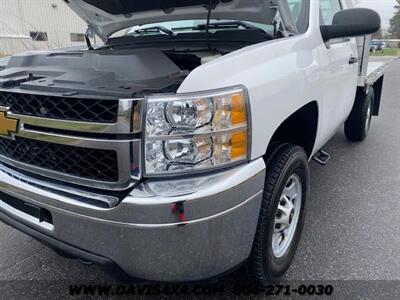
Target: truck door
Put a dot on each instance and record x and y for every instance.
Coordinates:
(341, 74)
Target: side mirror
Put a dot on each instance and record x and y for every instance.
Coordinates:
(351, 23)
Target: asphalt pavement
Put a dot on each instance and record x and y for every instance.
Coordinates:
(352, 230)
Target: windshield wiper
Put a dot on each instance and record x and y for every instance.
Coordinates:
(159, 29)
(227, 25)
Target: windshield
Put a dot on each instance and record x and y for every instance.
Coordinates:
(186, 26)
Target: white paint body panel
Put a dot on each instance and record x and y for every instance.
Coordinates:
(284, 75)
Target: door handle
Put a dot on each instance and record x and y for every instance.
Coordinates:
(353, 60)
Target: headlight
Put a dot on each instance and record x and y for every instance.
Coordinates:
(195, 132)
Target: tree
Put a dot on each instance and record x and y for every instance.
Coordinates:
(394, 29)
(378, 35)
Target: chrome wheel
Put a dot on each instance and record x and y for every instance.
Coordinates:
(287, 216)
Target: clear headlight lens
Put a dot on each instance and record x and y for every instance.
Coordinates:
(189, 151)
(194, 132)
(189, 114)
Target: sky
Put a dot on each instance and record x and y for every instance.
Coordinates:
(384, 7)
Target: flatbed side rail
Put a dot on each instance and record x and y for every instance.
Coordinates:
(369, 72)
(374, 74)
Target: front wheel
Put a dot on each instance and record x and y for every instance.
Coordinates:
(358, 124)
(282, 213)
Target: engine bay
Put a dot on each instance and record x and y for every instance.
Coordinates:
(125, 67)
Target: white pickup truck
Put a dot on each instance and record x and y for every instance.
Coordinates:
(180, 148)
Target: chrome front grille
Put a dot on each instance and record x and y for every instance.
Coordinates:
(61, 107)
(88, 153)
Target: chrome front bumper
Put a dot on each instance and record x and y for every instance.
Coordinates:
(143, 234)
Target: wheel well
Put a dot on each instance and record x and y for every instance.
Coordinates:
(299, 129)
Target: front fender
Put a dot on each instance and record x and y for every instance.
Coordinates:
(281, 77)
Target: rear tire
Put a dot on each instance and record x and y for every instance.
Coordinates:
(358, 124)
(270, 258)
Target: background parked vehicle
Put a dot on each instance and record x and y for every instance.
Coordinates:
(377, 45)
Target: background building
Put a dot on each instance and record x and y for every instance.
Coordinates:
(38, 24)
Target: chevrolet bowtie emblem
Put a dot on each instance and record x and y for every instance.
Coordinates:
(8, 126)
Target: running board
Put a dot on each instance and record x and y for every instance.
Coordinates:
(322, 157)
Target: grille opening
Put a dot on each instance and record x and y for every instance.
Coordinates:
(94, 164)
(61, 108)
(43, 215)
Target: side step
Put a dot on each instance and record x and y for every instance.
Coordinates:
(322, 157)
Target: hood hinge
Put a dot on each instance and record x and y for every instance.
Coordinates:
(89, 34)
(278, 22)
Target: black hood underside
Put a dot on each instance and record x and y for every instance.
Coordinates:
(123, 7)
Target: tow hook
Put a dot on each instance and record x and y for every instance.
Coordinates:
(178, 208)
(322, 157)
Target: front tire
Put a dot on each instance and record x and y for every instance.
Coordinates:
(358, 124)
(287, 187)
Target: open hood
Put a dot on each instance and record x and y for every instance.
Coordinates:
(106, 17)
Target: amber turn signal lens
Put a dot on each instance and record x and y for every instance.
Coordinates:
(239, 145)
(239, 114)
